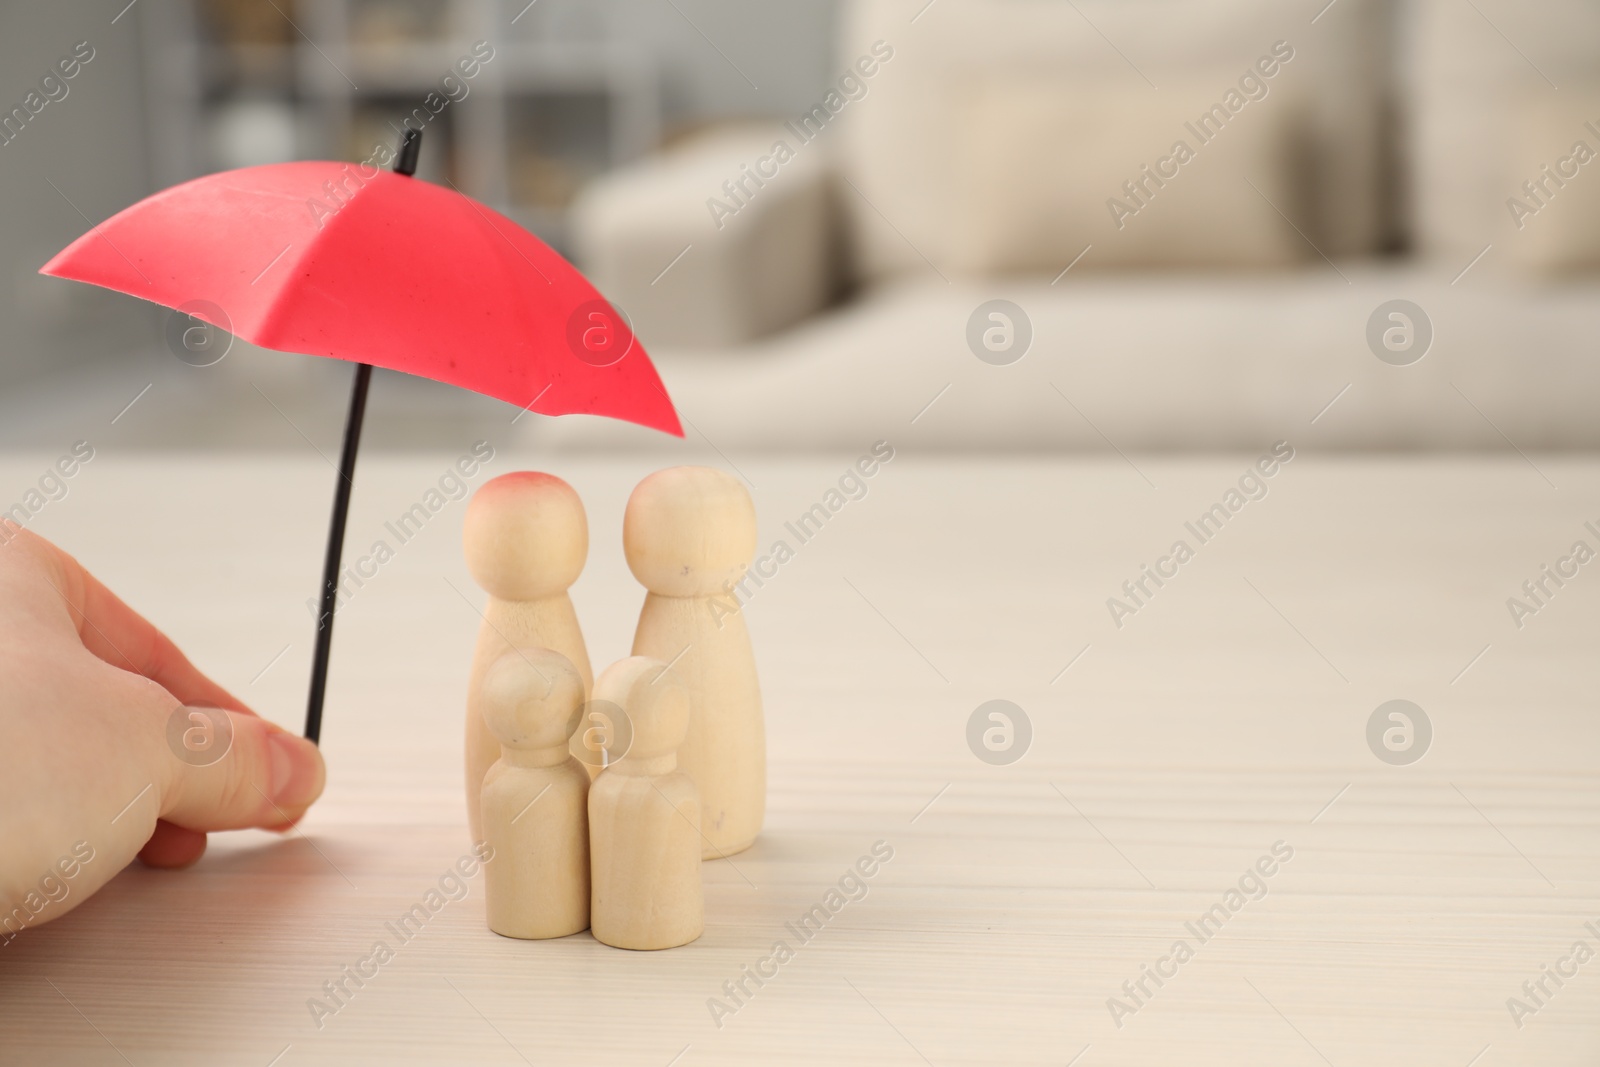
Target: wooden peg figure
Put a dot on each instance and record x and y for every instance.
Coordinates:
(535, 798)
(689, 534)
(644, 816)
(526, 539)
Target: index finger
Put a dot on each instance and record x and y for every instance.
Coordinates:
(120, 636)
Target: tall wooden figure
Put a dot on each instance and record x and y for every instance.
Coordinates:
(535, 798)
(526, 538)
(689, 534)
(644, 818)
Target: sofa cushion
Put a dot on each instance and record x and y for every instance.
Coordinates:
(1497, 90)
(897, 142)
(1554, 210)
(1140, 363)
(1046, 169)
(697, 248)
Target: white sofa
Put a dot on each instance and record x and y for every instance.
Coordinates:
(1226, 307)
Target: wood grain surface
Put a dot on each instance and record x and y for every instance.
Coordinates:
(1168, 755)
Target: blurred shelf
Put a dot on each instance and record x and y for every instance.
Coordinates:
(576, 65)
(254, 64)
(391, 67)
(227, 86)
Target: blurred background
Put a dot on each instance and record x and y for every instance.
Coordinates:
(808, 211)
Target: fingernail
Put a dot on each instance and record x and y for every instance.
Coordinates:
(296, 771)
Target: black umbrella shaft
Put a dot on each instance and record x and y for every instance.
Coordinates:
(330, 567)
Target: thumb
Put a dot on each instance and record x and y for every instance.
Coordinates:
(235, 770)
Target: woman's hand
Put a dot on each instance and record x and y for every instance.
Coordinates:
(99, 759)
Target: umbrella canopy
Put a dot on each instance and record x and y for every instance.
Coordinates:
(382, 270)
(399, 273)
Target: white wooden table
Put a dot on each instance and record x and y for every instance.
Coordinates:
(1167, 756)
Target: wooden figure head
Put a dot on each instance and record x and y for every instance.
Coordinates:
(532, 698)
(689, 530)
(526, 536)
(655, 700)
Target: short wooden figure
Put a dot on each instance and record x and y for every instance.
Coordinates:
(535, 797)
(644, 816)
(526, 538)
(689, 534)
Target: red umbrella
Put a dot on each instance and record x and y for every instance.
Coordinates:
(382, 270)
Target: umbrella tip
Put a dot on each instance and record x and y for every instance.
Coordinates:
(410, 146)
